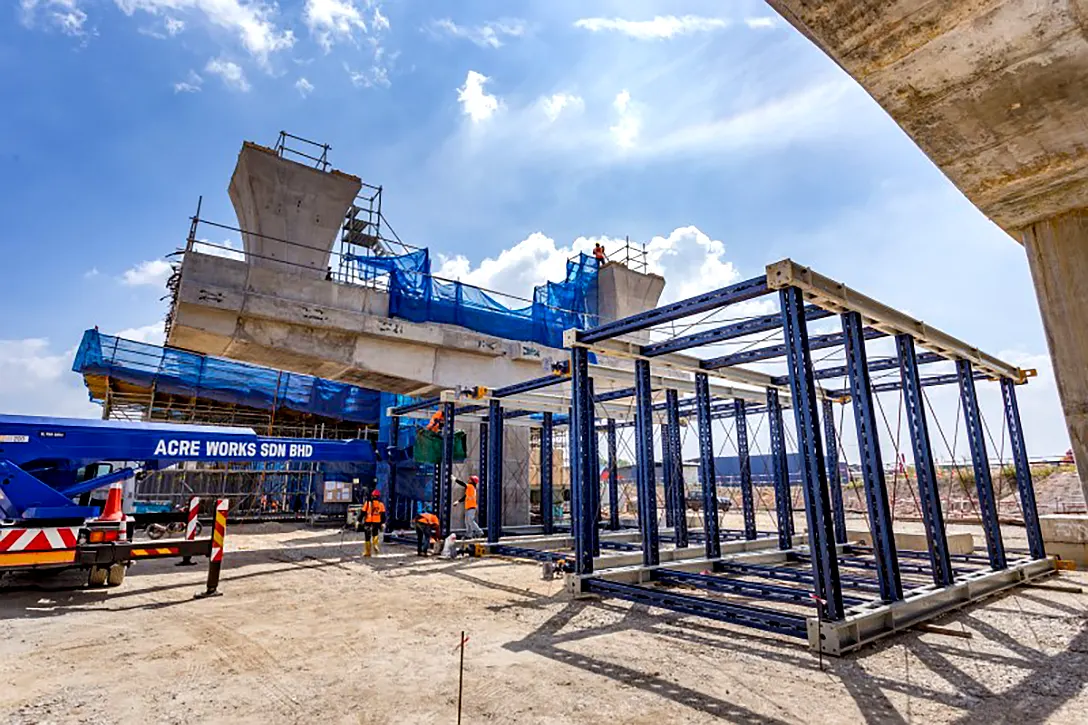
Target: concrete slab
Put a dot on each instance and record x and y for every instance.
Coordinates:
(958, 542)
(1066, 536)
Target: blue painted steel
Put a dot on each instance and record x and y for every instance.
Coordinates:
(819, 342)
(821, 534)
(547, 501)
(466, 409)
(834, 475)
(675, 461)
(746, 290)
(726, 585)
(593, 492)
(76, 489)
(582, 466)
(782, 494)
(523, 552)
(1023, 470)
(413, 407)
(394, 437)
(872, 465)
(787, 574)
(765, 323)
(613, 478)
(929, 499)
(529, 386)
(929, 382)
(744, 460)
(712, 533)
(445, 475)
(875, 366)
(644, 465)
(666, 478)
(972, 419)
(614, 395)
(481, 471)
(494, 471)
(769, 620)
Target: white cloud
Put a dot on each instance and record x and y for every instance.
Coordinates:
(228, 248)
(488, 35)
(35, 380)
(762, 22)
(330, 21)
(252, 21)
(64, 15)
(91, 273)
(625, 130)
(476, 103)
(173, 26)
(153, 273)
(304, 87)
(192, 83)
(153, 334)
(375, 76)
(560, 103)
(232, 74)
(662, 26)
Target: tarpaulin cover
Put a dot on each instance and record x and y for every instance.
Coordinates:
(179, 372)
(417, 296)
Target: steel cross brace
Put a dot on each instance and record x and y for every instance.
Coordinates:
(644, 465)
(494, 471)
(819, 342)
(780, 466)
(834, 476)
(547, 503)
(925, 472)
(744, 460)
(1023, 470)
(872, 465)
(727, 585)
(981, 464)
(821, 533)
(765, 323)
(707, 474)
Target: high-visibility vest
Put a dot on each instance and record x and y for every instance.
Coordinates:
(374, 511)
(470, 496)
(428, 520)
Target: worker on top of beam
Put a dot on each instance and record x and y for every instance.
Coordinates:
(598, 253)
(472, 529)
(374, 517)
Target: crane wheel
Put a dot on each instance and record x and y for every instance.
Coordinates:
(97, 577)
(116, 575)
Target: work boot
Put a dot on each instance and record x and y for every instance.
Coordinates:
(366, 548)
(376, 542)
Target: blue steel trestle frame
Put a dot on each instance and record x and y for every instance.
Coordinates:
(834, 476)
(780, 468)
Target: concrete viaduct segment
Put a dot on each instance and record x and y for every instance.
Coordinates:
(993, 92)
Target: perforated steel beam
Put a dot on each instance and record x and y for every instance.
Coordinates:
(494, 471)
(980, 461)
(547, 503)
(613, 478)
(1024, 483)
(644, 465)
(482, 473)
(834, 476)
(872, 465)
(929, 499)
(527, 386)
(581, 464)
(676, 463)
(593, 493)
(821, 535)
(875, 366)
(394, 439)
(756, 325)
(707, 475)
(780, 469)
(445, 475)
(744, 460)
(820, 342)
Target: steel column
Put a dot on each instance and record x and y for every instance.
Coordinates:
(547, 501)
(1023, 470)
(872, 465)
(984, 484)
(780, 466)
(825, 566)
(834, 476)
(644, 464)
(747, 499)
(676, 462)
(707, 474)
(613, 479)
(666, 478)
(581, 462)
(445, 475)
(494, 471)
(593, 492)
(481, 468)
(925, 473)
(394, 435)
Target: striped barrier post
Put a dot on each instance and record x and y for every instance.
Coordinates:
(215, 564)
(190, 528)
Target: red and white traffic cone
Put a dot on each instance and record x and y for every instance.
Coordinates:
(113, 510)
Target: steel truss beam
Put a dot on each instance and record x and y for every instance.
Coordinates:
(821, 535)
(644, 465)
(981, 464)
(547, 503)
(707, 475)
(819, 342)
(726, 585)
(929, 499)
(613, 477)
(872, 465)
(1023, 470)
(834, 476)
(740, 292)
(768, 620)
(765, 323)
(780, 469)
(744, 460)
(494, 471)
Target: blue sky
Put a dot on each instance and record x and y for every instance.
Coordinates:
(493, 126)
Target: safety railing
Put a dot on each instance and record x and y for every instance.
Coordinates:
(302, 148)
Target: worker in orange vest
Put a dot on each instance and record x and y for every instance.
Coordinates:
(374, 517)
(598, 253)
(427, 530)
(472, 529)
(435, 425)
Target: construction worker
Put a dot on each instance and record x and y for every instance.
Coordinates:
(472, 529)
(598, 253)
(435, 426)
(373, 518)
(427, 530)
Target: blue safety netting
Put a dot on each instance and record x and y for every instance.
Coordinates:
(179, 372)
(414, 294)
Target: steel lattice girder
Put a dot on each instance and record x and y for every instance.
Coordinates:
(780, 468)
(644, 465)
(1023, 470)
(821, 534)
(747, 495)
(834, 477)
(494, 471)
(740, 292)
(547, 502)
(979, 460)
(819, 342)
(872, 465)
(929, 499)
(707, 474)
(765, 323)
(728, 585)
(768, 620)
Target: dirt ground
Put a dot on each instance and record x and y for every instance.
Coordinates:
(308, 632)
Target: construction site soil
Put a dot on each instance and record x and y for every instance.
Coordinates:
(306, 631)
